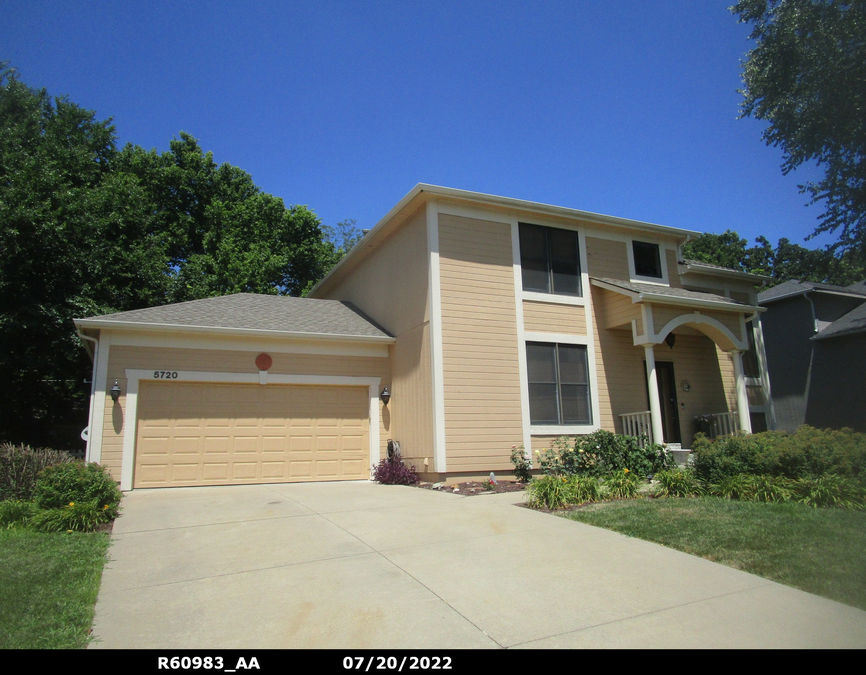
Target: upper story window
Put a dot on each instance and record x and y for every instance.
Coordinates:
(750, 358)
(647, 259)
(550, 260)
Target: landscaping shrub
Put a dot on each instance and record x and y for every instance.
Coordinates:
(679, 483)
(394, 472)
(16, 512)
(77, 482)
(521, 464)
(622, 484)
(75, 516)
(602, 453)
(20, 465)
(808, 452)
(829, 490)
(557, 492)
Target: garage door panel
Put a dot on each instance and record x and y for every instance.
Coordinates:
(193, 433)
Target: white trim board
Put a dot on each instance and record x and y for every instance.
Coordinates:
(134, 376)
(437, 370)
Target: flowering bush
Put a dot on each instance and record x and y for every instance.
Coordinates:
(61, 485)
(521, 464)
(603, 453)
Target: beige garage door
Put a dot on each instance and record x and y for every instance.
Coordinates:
(226, 434)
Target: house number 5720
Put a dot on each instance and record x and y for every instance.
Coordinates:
(165, 374)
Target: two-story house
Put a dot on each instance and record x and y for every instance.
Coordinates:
(462, 325)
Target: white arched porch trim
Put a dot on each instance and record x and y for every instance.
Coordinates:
(712, 328)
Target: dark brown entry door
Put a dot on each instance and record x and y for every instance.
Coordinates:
(668, 397)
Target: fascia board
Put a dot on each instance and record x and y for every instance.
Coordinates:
(687, 302)
(177, 328)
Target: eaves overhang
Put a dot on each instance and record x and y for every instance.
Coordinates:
(689, 267)
(664, 299)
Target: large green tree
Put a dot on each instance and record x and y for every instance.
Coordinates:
(806, 76)
(787, 261)
(86, 229)
(75, 241)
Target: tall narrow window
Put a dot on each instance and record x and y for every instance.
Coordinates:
(558, 384)
(647, 261)
(750, 358)
(550, 260)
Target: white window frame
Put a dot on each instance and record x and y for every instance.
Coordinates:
(664, 280)
(566, 429)
(564, 298)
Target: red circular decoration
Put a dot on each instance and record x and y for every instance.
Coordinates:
(264, 361)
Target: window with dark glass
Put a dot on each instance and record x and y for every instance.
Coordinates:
(558, 384)
(550, 260)
(647, 261)
(750, 358)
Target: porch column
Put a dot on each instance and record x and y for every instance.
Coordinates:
(655, 403)
(742, 399)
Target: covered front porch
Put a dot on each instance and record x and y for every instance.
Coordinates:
(673, 360)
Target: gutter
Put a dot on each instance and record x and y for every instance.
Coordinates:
(182, 328)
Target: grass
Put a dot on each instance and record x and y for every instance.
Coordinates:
(822, 551)
(48, 588)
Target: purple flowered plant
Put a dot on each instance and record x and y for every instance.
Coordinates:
(394, 472)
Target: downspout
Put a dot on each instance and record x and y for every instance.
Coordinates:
(92, 386)
(811, 355)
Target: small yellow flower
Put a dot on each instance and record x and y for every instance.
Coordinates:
(105, 508)
(71, 503)
(626, 470)
(68, 531)
(581, 450)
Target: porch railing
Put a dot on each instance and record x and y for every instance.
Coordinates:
(637, 424)
(723, 424)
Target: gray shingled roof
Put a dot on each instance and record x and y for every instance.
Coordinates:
(252, 312)
(852, 322)
(794, 287)
(720, 268)
(679, 293)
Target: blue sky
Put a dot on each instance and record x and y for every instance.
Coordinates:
(626, 108)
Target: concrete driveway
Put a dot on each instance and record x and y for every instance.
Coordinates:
(361, 565)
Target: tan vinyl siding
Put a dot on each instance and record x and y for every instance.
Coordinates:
(607, 258)
(412, 396)
(726, 367)
(546, 317)
(479, 344)
(122, 358)
(391, 286)
(617, 311)
(673, 269)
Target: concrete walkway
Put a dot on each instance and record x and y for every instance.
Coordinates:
(361, 565)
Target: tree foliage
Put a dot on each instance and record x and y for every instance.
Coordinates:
(806, 76)
(786, 261)
(87, 229)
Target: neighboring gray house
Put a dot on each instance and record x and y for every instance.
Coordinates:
(815, 342)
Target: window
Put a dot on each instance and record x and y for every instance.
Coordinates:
(550, 260)
(558, 384)
(647, 262)
(750, 358)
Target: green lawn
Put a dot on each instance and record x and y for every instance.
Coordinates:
(48, 587)
(822, 551)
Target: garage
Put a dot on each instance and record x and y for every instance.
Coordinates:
(195, 433)
(238, 390)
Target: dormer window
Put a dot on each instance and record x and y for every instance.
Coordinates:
(647, 260)
(550, 260)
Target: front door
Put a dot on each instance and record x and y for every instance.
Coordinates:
(668, 397)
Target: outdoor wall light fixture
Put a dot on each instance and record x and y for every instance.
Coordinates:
(115, 392)
(670, 339)
(385, 396)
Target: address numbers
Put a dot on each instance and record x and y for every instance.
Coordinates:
(164, 374)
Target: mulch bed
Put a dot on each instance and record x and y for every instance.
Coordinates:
(472, 488)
